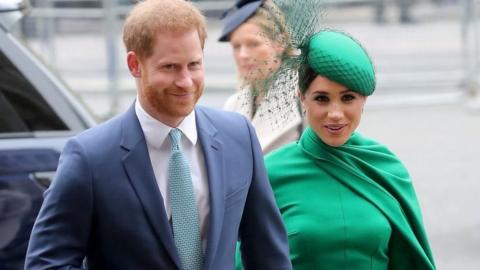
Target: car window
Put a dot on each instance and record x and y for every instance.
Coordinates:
(22, 108)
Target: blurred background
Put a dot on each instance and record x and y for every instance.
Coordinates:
(426, 107)
(425, 51)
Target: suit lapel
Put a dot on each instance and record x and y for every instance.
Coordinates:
(213, 152)
(136, 162)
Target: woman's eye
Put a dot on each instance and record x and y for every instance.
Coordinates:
(253, 44)
(348, 97)
(322, 98)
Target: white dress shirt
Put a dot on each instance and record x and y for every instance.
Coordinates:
(158, 144)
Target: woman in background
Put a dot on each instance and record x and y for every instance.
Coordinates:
(256, 31)
(347, 201)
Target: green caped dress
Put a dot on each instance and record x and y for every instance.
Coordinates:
(349, 207)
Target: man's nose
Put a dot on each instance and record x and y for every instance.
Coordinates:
(184, 79)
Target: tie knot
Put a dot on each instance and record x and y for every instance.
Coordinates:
(175, 136)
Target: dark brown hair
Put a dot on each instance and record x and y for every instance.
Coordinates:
(306, 75)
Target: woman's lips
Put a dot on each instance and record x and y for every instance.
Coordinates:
(335, 128)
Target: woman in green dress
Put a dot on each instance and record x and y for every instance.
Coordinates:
(346, 200)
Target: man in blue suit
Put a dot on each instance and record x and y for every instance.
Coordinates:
(111, 204)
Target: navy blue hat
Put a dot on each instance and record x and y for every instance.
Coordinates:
(242, 10)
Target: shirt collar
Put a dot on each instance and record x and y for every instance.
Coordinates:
(156, 132)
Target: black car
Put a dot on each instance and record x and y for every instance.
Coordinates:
(38, 113)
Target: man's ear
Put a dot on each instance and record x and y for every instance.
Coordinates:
(134, 64)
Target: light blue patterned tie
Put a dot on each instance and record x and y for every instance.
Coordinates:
(185, 221)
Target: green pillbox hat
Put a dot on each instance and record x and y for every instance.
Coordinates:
(342, 59)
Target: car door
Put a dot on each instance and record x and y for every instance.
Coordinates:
(38, 114)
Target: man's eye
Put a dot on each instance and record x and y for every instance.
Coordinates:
(196, 64)
(169, 67)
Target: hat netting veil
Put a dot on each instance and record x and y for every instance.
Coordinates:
(289, 23)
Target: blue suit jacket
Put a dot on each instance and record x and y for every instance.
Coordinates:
(104, 203)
